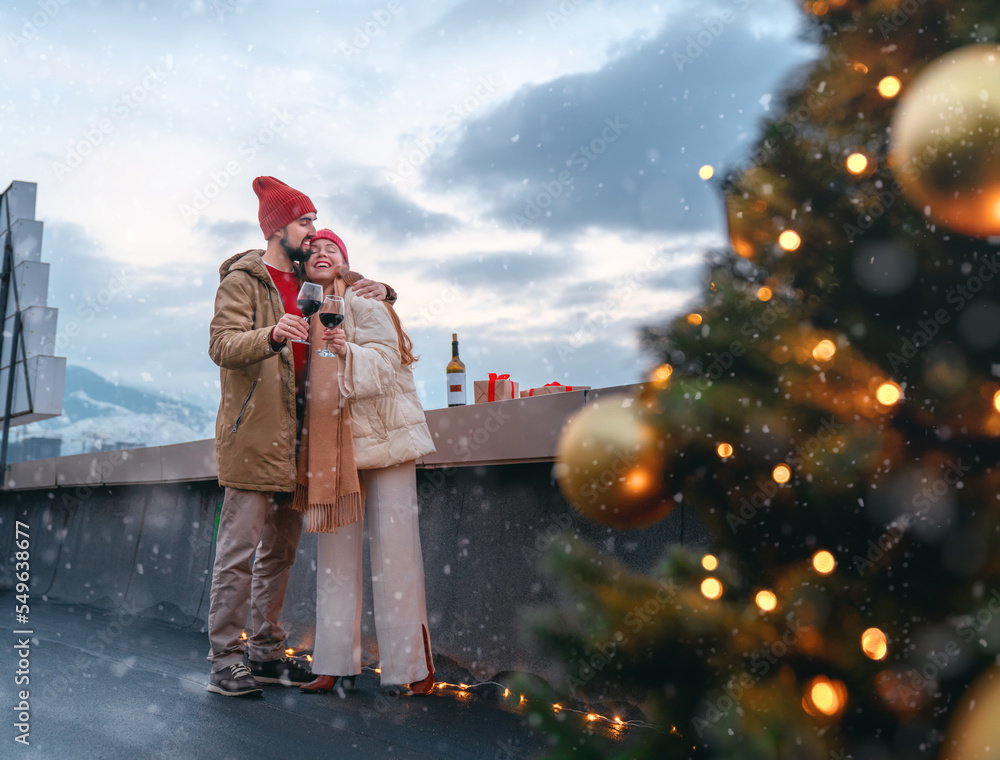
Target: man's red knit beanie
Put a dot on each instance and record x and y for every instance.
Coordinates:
(331, 235)
(279, 204)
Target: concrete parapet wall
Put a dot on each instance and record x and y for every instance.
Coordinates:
(107, 537)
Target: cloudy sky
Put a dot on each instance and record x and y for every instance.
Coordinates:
(523, 172)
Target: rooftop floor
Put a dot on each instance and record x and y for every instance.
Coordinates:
(107, 685)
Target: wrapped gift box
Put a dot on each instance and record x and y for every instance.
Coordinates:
(497, 388)
(553, 388)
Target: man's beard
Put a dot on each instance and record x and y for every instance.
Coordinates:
(296, 255)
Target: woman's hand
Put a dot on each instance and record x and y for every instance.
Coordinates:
(336, 339)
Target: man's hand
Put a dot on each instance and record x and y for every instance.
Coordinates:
(370, 289)
(290, 326)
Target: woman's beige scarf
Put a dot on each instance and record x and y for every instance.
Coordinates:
(327, 487)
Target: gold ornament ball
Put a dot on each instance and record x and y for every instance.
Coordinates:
(944, 147)
(611, 466)
(973, 730)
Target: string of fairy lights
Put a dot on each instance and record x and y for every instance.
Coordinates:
(464, 690)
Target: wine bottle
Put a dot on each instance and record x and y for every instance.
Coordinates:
(455, 375)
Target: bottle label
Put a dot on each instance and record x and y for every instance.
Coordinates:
(456, 388)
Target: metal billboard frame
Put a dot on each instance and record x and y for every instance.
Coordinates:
(14, 344)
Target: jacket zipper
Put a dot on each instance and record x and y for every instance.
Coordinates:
(240, 417)
(292, 418)
(293, 415)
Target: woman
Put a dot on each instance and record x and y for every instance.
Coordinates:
(364, 427)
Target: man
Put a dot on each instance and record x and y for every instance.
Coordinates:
(262, 375)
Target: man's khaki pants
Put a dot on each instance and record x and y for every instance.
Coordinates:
(250, 522)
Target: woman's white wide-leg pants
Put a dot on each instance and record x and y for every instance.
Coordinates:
(397, 570)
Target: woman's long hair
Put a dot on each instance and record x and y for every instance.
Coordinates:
(406, 354)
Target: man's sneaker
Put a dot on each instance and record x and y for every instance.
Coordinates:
(234, 681)
(285, 671)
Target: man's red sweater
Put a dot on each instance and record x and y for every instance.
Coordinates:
(288, 286)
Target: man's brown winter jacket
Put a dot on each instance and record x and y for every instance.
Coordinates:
(255, 429)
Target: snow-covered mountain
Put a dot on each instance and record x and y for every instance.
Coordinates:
(100, 415)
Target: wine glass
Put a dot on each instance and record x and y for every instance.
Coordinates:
(331, 314)
(309, 300)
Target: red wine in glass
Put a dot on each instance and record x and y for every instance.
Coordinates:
(309, 300)
(308, 306)
(331, 315)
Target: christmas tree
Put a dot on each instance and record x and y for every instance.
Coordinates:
(831, 413)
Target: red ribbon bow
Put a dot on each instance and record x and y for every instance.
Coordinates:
(492, 392)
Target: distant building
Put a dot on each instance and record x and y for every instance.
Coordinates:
(32, 448)
(101, 444)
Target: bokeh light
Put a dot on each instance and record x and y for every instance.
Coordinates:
(874, 643)
(825, 697)
(823, 562)
(638, 481)
(889, 87)
(765, 293)
(724, 450)
(711, 588)
(888, 393)
(660, 377)
(782, 473)
(857, 163)
(766, 600)
(706, 172)
(710, 562)
(824, 350)
(789, 240)
(694, 319)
